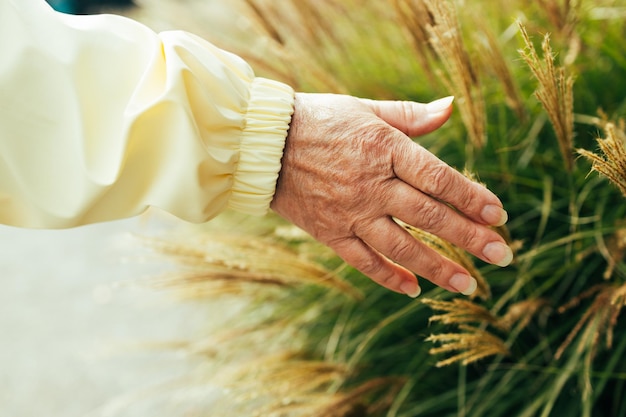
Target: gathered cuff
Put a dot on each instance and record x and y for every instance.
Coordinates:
(267, 121)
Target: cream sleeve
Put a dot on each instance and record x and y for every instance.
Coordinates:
(101, 118)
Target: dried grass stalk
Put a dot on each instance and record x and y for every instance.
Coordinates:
(215, 264)
(352, 403)
(494, 60)
(472, 344)
(283, 384)
(415, 19)
(598, 320)
(611, 163)
(521, 313)
(615, 251)
(455, 254)
(555, 93)
(294, 33)
(459, 311)
(562, 14)
(475, 343)
(460, 77)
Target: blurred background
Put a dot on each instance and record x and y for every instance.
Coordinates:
(74, 317)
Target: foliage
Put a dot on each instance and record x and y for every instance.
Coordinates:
(535, 82)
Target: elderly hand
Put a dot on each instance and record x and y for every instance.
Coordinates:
(349, 168)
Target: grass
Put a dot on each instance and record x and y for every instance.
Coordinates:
(540, 96)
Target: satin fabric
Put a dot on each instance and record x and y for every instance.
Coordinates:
(101, 118)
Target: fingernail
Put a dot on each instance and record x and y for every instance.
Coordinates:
(440, 105)
(498, 253)
(463, 283)
(411, 289)
(494, 215)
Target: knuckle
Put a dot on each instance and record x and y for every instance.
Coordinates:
(434, 271)
(402, 250)
(431, 216)
(439, 180)
(468, 236)
(388, 279)
(368, 265)
(407, 112)
(463, 198)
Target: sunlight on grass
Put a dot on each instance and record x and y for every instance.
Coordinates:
(536, 83)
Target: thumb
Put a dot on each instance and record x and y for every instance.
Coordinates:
(413, 118)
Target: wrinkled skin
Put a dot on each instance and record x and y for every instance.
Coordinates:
(349, 167)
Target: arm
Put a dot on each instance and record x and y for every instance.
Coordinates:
(101, 118)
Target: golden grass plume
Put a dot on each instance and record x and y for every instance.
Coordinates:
(555, 92)
(462, 311)
(415, 19)
(611, 162)
(471, 343)
(459, 76)
(475, 342)
(598, 320)
(216, 264)
(494, 61)
(455, 254)
(459, 311)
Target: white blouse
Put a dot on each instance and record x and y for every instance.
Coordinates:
(101, 118)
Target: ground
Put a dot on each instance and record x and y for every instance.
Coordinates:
(74, 319)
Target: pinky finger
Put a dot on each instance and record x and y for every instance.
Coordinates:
(379, 268)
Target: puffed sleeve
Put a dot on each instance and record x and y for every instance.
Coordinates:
(101, 118)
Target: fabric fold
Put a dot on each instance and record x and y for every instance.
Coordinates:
(263, 139)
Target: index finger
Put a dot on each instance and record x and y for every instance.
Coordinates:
(421, 169)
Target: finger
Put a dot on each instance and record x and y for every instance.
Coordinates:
(375, 266)
(426, 213)
(421, 169)
(414, 119)
(392, 241)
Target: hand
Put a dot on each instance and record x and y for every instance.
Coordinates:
(349, 167)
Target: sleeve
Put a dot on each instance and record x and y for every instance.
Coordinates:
(101, 118)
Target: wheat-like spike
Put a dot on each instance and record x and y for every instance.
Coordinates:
(616, 248)
(495, 60)
(284, 32)
(521, 313)
(214, 264)
(473, 344)
(415, 19)
(618, 301)
(599, 318)
(612, 161)
(460, 76)
(346, 404)
(262, 18)
(575, 302)
(274, 383)
(613, 149)
(562, 15)
(555, 93)
(453, 253)
(459, 311)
